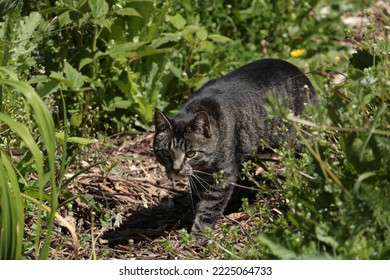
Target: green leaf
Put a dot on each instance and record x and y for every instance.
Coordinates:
(104, 22)
(361, 178)
(164, 39)
(147, 51)
(175, 70)
(125, 49)
(74, 76)
(30, 24)
(76, 120)
(355, 73)
(4, 52)
(145, 109)
(12, 212)
(206, 46)
(77, 140)
(153, 29)
(46, 129)
(59, 77)
(121, 104)
(48, 88)
(64, 19)
(128, 12)
(202, 34)
(85, 61)
(72, 4)
(363, 59)
(177, 21)
(125, 88)
(99, 8)
(219, 38)
(27, 138)
(322, 235)
(53, 10)
(276, 248)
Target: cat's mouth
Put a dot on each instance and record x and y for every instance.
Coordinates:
(182, 175)
(177, 177)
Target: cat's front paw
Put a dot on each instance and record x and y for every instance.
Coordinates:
(196, 231)
(198, 235)
(201, 232)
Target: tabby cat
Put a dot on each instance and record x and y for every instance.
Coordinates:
(220, 125)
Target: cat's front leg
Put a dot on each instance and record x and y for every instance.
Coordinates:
(211, 206)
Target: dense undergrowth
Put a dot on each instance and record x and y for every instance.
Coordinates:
(71, 71)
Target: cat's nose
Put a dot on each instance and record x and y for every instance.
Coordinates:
(176, 171)
(176, 167)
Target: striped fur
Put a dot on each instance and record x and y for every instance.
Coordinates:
(218, 127)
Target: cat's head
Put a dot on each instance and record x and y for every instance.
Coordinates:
(184, 144)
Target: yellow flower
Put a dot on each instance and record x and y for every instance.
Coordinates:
(337, 58)
(297, 53)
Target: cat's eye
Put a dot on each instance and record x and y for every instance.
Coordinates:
(190, 154)
(166, 153)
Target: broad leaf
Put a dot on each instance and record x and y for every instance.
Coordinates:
(74, 76)
(363, 59)
(99, 8)
(177, 21)
(128, 12)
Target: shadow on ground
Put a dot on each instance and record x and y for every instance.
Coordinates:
(146, 224)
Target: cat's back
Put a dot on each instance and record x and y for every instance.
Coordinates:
(263, 72)
(248, 85)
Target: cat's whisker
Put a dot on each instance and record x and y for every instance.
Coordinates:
(210, 184)
(193, 186)
(190, 198)
(206, 185)
(207, 182)
(202, 182)
(202, 172)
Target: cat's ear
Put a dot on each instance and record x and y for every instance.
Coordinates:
(201, 124)
(161, 122)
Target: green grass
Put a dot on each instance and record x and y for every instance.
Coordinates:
(45, 126)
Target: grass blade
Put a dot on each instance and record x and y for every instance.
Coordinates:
(12, 212)
(46, 128)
